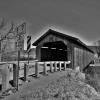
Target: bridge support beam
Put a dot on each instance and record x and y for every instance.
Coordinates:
(5, 77)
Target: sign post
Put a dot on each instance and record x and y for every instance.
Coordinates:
(18, 67)
(20, 30)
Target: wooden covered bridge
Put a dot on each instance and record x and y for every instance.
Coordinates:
(56, 46)
(52, 49)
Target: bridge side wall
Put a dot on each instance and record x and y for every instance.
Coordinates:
(82, 57)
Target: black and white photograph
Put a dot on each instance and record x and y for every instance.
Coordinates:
(49, 49)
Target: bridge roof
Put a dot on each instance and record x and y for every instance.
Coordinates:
(70, 38)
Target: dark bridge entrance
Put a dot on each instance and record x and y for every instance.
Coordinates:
(54, 51)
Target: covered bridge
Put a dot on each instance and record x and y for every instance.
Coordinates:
(56, 46)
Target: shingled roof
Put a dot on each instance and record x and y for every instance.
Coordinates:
(70, 38)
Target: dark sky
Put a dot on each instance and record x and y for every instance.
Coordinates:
(80, 18)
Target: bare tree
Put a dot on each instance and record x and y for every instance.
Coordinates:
(97, 46)
(4, 36)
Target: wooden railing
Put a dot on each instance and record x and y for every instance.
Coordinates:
(44, 67)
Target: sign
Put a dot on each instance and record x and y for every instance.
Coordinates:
(28, 43)
(21, 29)
(20, 42)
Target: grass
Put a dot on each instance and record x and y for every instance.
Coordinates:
(68, 87)
(93, 81)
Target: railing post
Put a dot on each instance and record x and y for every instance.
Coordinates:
(64, 65)
(51, 66)
(36, 69)
(45, 68)
(55, 66)
(15, 76)
(26, 72)
(60, 65)
(5, 77)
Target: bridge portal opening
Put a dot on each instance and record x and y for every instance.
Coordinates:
(54, 51)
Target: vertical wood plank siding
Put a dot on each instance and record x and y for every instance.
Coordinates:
(82, 57)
